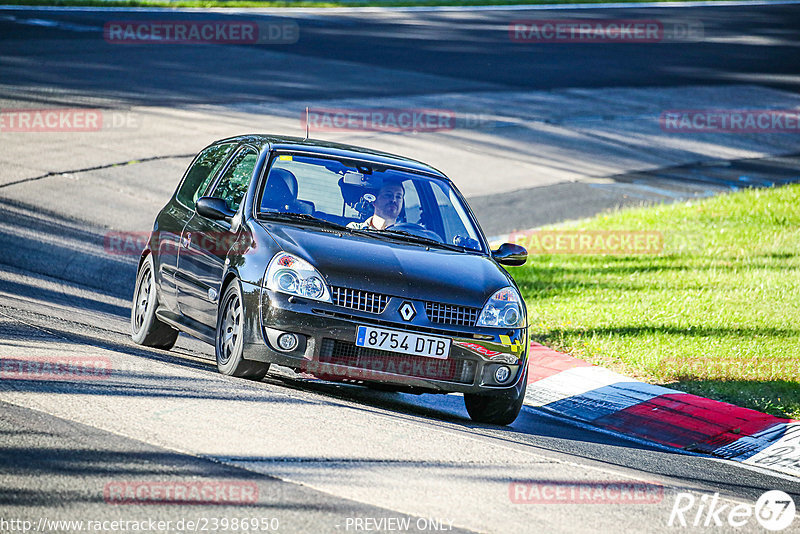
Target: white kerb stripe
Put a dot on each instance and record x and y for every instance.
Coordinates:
(783, 455)
(570, 383)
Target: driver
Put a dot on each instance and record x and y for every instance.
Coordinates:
(387, 205)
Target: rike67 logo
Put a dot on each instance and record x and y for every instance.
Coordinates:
(774, 511)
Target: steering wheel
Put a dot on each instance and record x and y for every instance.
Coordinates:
(415, 229)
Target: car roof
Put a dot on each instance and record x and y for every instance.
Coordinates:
(338, 150)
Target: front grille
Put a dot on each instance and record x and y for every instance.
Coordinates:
(355, 299)
(451, 314)
(345, 353)
(390, 324)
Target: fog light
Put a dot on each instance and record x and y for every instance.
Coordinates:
(287, 342)
(502, 373)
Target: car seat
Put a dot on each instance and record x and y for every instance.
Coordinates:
(280, 194)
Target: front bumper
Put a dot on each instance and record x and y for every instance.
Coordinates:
(327, 347)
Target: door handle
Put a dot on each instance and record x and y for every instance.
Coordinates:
(186, 240)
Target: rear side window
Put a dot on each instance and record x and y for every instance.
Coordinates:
(233, 184)
(202, 172)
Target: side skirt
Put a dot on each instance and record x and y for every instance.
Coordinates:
(189, 326)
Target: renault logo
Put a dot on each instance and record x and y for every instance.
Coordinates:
(407, 311)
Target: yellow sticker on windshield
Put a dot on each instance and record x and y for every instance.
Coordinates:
(285, 158)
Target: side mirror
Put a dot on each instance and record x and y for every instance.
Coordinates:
(214, 208)
(510, 254)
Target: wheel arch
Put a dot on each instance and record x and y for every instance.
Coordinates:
(251, 310)
(146, 252)
(230, 275)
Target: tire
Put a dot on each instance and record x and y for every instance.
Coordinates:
(146, 328)
(500, 409)
(228, 343)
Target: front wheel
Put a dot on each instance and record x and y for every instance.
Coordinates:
(500, 409)
(146, 328)
(229, 343)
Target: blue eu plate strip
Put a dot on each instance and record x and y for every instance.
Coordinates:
(360, 335)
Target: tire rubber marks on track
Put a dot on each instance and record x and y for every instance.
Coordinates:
(95, 168)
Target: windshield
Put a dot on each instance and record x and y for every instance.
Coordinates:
(366, 197)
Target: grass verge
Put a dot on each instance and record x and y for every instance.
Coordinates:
(300, 3)
(715, 313)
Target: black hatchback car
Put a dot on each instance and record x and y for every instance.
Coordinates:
(337, 261)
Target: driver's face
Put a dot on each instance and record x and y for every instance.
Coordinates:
(389, 202)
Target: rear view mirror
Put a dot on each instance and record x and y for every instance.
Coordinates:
(214, 208)
(510, 254)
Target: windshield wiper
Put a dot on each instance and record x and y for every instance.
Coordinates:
(408, 236)
(388, 236)
(378, 234)
(300, 217)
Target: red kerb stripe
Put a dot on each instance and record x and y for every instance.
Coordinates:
(688, 421)
(544, 361)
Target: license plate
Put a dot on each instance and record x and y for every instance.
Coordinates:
(405, 342)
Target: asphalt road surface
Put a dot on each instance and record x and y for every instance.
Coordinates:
(432, 52)
(291, 454)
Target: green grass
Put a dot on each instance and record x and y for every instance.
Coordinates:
(716, 313)
(298, 3)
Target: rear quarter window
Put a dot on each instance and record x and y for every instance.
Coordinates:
(202, 172)
(233, 184)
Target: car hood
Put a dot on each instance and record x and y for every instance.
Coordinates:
(392, 267)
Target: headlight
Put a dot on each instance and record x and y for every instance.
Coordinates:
(289, 274)
(503, 310)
